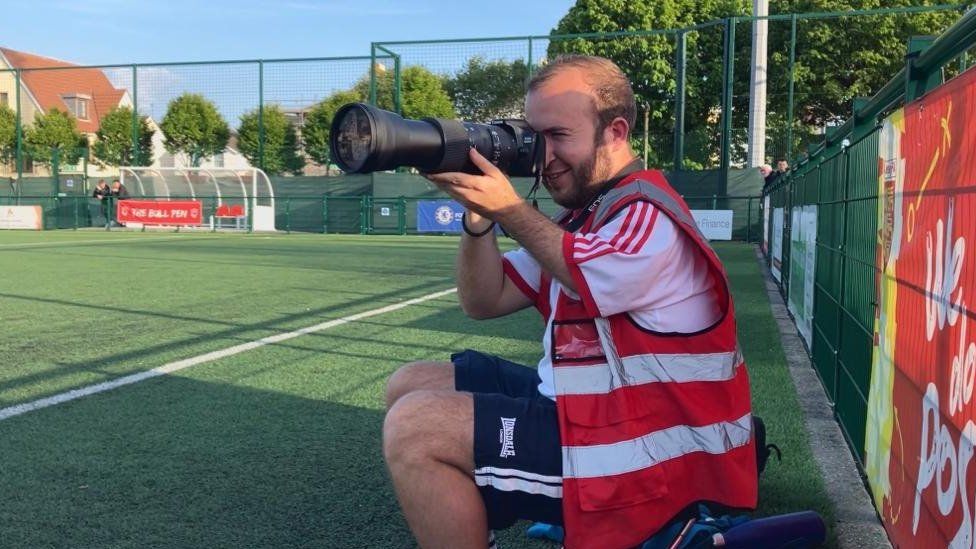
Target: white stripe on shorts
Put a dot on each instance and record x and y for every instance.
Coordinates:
(513, 480)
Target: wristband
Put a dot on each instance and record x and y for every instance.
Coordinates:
(464, 225)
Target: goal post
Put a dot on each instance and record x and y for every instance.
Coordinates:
(229, 198)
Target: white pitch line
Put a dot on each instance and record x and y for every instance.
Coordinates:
(96, 241)
(16, 410)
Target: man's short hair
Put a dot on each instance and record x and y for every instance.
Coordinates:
(614, 94)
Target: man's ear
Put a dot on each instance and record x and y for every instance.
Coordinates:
(617, 132)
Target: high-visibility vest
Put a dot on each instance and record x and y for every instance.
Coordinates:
(650, 422)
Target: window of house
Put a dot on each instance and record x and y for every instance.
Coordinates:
(82, 109)
(219, 160)
(4, 99)
(77, 105)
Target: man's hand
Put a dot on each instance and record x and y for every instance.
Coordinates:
(489, 195)
(492, 196)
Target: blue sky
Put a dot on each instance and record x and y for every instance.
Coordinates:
(136, 31)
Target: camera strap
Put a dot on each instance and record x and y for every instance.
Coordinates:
(538, 166)
(574, 223)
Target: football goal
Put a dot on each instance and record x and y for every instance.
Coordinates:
(228, 198)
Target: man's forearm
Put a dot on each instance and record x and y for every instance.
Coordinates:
(479, 272)
(541, 237)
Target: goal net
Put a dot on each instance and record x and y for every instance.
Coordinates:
(228, 198)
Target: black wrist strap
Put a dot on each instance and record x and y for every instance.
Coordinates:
(464, 225)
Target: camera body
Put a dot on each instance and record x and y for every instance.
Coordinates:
(366, 139)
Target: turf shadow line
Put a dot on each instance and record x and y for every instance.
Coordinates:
(236, 329)
(415, 270)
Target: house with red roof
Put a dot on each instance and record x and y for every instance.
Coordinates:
(88, 95)
(85, 93)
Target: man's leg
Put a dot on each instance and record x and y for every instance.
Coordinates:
(415, 376)
(428, 442)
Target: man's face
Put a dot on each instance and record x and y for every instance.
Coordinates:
(563, 110)
(782, 166)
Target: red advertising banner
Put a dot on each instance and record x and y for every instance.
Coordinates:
(163, 212)
(919, 447)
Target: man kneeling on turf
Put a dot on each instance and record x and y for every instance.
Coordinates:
(640, 404)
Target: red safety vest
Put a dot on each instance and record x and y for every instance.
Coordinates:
(650, 422)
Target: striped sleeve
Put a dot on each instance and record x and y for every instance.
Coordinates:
(628, 264)
(524, 271)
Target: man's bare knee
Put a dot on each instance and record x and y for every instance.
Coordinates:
(417, 376)
(426, 425)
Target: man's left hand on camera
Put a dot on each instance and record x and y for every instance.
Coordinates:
(490, 194)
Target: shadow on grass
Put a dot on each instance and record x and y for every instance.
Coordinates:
(177, 462)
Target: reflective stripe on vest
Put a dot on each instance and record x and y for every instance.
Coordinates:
(650, 368)
(650, 191)
(654, 448)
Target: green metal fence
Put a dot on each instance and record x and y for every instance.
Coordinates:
(840, 177)
(363, 214)
(692, 85)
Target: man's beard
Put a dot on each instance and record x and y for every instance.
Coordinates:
(587, 177)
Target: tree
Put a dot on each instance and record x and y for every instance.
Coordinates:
(54, 129)
(114, 139)
(489, 90)
(318, 124)
(8, 134)
(649, 59)
(836, 59)
(840, 59)
(280, 141)
(193, 126)
(422, 93)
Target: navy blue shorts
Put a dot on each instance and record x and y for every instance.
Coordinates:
(517, 456)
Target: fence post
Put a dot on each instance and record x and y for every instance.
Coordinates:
(20, 139)
(714, 201)
(842, 295)
(261, 113)
(364, 214)
(55, 170)
(76, 212)
(135, 161)
(681, 56)
(402, 215)
(748, 219)
(325, 213)
(729, 71)
(917, 84)
(789, 95)
(288, 215)
(397, 104)
(372, 73)
(84, 171)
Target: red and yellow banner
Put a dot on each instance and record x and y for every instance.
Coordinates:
(919, 448)
(169, 212)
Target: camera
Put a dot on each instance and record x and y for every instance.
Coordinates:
(367, 139)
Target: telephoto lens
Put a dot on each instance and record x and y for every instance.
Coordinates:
(367, 139)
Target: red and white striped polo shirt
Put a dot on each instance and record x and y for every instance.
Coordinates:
(638, 262)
